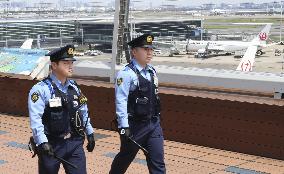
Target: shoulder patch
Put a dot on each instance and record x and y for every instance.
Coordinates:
(35, 97)
(119, 81)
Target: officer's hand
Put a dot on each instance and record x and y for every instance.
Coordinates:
(91, 143)
(125, 133)
(46, 149)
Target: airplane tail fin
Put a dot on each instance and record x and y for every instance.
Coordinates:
(262, 36)
(247, 61)
(27, 44)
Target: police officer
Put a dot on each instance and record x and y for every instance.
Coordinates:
(138, 109)
(59, 117)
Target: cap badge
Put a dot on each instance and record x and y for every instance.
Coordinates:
(149, 39)
(71, 51)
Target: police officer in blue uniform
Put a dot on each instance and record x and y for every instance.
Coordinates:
(138, 110)
(59, 117)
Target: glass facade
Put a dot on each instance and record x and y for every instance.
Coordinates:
(53, 33)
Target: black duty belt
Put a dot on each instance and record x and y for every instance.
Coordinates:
(63, 137)
(141, 119)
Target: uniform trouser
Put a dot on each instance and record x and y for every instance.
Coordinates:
(71, 150)
(149, 134)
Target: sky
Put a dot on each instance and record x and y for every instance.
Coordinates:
(164, 2)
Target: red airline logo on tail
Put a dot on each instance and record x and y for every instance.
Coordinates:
(262, 36)
(246, 66)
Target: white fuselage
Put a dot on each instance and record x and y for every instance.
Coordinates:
(218, 46)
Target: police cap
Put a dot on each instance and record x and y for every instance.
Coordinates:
(62, 53)
(144, 41)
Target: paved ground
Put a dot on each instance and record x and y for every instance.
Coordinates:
(181, 158)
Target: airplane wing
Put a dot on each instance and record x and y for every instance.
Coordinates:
(248, 59)
(27, 44)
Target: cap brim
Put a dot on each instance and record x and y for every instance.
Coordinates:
(69, 59)
(147, 46)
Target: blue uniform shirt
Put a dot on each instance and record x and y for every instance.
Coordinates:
(36, 109)
(127, 81)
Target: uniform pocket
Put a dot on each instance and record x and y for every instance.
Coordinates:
(157, 132)
(142, 107)
(57, 122)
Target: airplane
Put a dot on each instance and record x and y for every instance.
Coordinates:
(229, 46)
(218, 12)
(24, 62)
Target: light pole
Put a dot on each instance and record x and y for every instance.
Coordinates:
(131, 19)
(7, 8)
(114, 41)
(6, 11)
(60, 38)
(82, 35)
(282, 68)
(281, 21)
(201, 34)
(38, 41)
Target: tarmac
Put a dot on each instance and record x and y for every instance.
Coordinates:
(267, 62)
(180, 158)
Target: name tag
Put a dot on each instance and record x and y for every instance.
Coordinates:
(55, 102)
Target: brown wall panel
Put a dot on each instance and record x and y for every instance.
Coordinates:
(252, 128)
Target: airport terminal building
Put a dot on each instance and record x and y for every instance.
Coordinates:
(52, 32)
